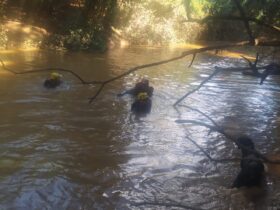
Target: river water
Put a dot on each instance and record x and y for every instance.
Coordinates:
(59, 152)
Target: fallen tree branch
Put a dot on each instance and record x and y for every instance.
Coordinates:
(272, 68)
(183, 54)
(197, 88)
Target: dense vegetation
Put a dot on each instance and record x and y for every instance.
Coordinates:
(89, 25)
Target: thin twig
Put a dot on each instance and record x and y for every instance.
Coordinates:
(253, 66)
(234, 69)
(7, 69)
(39, 70)
(197, 88)
(202, 113)
(197, 145)
(192, 60)
(256, 60)
(211, 128)
(237, 69)
(222, 131)
(62, 70)
(170, 205)
(249, 62)
(97, 93)
(209, 157)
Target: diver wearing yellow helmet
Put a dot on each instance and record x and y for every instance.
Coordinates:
(142, 93)
(142, 96)
(140, 87)
(53, 81)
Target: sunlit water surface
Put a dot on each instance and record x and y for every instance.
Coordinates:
(59, 152)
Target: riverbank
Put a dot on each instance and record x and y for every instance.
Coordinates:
(16, 35)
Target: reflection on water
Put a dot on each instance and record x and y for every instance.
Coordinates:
(59, 152)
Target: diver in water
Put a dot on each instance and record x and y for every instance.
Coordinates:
(53, 81)
(252, 167)
(140, 87)
(142, 104)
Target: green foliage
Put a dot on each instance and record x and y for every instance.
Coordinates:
(154, 22)
(198, 8)
(268, 10)
(265, 10)
(75, 25)
(85, 40)
(86, 24)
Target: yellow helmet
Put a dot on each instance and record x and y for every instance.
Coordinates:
(55, 76)
(142, 96)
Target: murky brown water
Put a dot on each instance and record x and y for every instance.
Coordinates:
(59, 152)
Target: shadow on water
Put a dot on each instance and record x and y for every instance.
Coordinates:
(59, 152)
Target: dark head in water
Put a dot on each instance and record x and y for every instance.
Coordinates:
(252, 168)
(142, 104)
(53, 81)
(143, 86)
(245, 142)
(140, 87)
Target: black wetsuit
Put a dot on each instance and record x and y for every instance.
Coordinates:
(51, 83)
(142, 106)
